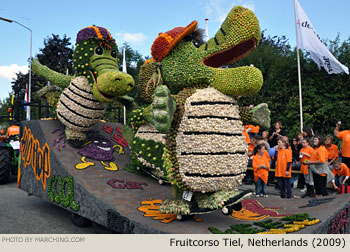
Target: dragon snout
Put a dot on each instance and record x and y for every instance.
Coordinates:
(240, 81)
(128, 81)
(112, 84)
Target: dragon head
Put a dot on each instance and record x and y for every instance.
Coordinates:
(96, 58)
(180, 62)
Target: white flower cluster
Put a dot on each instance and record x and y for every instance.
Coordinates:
(219, 165)
(149, 132)
(215, 110)
(152, 166)
(224, 159)
(208, 144)
(77, 104)
(213, 125)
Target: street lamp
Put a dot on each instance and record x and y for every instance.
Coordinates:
(30, 62)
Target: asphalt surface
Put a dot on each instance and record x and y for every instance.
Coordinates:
(23, 214)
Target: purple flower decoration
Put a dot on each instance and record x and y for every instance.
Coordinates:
(93, 32)
(99, 149)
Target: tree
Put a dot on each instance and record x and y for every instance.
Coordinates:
(4, 105)
(57, 55)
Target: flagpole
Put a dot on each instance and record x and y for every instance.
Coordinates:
(124, 70)
(206, 29)
(299, 74)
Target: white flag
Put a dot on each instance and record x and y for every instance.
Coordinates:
(308, 39)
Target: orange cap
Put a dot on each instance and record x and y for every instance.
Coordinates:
(165, 42)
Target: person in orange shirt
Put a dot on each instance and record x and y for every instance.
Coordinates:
(251, 130)
(345, 147)
(283, 159)
(332, 151)
(266, 153)
(247, 138)
(13, 130)
(320, 169)
(248, 179)
(305, 155)
(261, 167)
(251, 146)
(341, 174)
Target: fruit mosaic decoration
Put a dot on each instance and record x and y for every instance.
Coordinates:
(193, 115)
(97, 81)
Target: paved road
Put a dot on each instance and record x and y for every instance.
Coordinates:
(23, 214)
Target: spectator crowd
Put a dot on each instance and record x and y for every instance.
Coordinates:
(312, 163)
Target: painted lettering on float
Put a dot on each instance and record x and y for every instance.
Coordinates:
(35, 156)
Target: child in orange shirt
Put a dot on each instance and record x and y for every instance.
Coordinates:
(341, 174)
(283, 159)
(332, 151)
(261, 167)
(305, 155)
(248, 179)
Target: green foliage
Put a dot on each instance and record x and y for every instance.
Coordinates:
(297, 217)
(268, 224)
(4, 105)
(265, 225)
(127, 133)
(57, 54)
(247, 229)
(215, 230)
(149, 150)
(136, 118)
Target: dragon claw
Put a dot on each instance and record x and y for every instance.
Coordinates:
(163, 108)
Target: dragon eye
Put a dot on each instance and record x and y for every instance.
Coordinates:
(114, 53)
(99, 50)
(196, 44)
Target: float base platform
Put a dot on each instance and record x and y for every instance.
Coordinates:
(101, 190)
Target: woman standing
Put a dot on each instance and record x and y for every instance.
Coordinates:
(319, 167)
(261, 167)
(295, 159)
(283, 159)
(276, 134)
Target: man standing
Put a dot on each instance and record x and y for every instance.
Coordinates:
(345, 148)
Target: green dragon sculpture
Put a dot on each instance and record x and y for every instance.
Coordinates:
(190, 134)
(97, 81)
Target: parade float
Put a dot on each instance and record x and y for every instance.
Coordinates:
(187, 134)
(193, 117)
